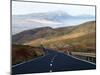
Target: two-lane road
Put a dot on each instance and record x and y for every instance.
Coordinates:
(52, 62)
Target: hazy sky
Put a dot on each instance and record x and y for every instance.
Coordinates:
(19, 8)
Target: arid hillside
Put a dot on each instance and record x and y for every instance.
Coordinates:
(75, 38)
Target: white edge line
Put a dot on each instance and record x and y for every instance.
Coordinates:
(81, 59)
(78, 58)
(28, 61)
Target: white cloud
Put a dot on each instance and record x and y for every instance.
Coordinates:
(29, 7)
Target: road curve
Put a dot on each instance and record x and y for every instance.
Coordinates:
(53, 61)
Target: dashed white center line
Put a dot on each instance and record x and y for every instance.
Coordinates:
(52, 60)
(50, 70)
(51, 65)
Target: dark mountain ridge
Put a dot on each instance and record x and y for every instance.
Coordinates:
(45, 32)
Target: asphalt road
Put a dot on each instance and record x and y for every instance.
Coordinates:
(52, 62)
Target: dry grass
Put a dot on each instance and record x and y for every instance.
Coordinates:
(22, 53)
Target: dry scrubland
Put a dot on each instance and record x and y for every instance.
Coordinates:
(22, 53)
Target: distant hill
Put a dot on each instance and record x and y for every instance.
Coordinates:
(43, 32)
(48, 35)
(52, 19)
(87, 27)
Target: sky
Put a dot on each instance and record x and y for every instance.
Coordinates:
(21, 8)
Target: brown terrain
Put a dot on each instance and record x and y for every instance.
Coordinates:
(80, 39)
(21, 53)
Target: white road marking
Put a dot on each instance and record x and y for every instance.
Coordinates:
(51, 65)
(51, 61)
(28, 61)
(81, 59)
(50, 70)
(53, 58)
